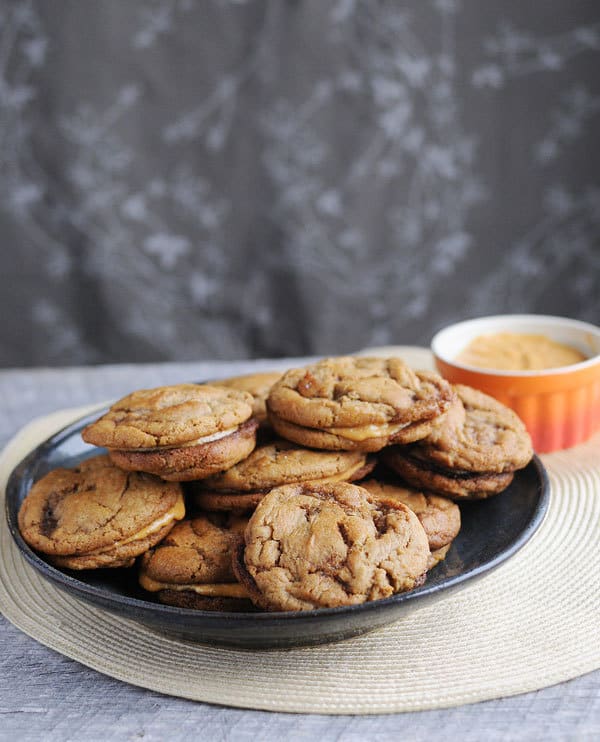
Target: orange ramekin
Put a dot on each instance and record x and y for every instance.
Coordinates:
(559, 406)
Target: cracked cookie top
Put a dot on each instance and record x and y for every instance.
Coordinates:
(478, 434)
(282, 462)
(358, 391)
(169, 416)
(92, 506)
(312, 546)
(197, 551)
(439, 516)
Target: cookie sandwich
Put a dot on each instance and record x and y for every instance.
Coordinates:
(192, 566)
(357, 403)
(97, 515)
(312, 546)
(179, 433)
(272, 465)
(472, 453)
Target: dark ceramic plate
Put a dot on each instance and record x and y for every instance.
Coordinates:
(492, 531)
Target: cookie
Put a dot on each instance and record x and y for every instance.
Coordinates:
(96, 515)
(456, 485)
(179, 433)
(479, 434)
(272, 465)
(316, 545)
(439, 516)
(357, 403)
(471, 453)
(258, 385)
(192, 566)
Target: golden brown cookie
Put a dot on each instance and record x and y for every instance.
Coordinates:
(479, 434)
(472, 452)
(277, 463)
(439, 516)
(456, 485)
(323, 545)
(96, 515)
(179, 433)
(258, 385)
(192, 566)
(357, 403)
(191, 462)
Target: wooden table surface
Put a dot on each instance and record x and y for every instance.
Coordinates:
(45, 696)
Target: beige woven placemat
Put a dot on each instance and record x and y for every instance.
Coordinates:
(531, 623)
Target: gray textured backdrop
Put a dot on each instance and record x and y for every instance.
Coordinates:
(184, 180)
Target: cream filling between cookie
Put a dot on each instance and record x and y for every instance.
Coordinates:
(364, 432)
(197, 442)
(177, 512)
(214, 589)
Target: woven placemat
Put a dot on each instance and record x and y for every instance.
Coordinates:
(529, 624)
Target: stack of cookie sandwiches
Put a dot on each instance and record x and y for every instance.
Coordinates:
(329, 485)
